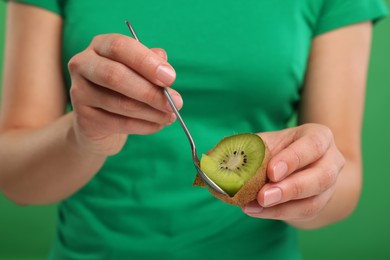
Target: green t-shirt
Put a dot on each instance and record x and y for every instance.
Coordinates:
(240, 68)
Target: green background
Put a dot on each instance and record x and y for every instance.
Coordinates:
(27, 232)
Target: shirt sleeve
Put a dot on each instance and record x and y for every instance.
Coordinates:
(50, 5)
(339, 13)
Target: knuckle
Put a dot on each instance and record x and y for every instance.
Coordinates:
(327, 178)
(143, 128)
(123, 103)
(116, 46)
(296, 190)
(96, 39)
(320, 136)
(318, 142)
(167, 118)
(146, 60)
(327, 132)
(341, 159)
(126, 104)
(73, 93)
(114, 75)
(296, 158)
(326, 135)
(154, 128)
(76, 93)
(152, 96)
(279, 212)
(311, 209)
(74, 63)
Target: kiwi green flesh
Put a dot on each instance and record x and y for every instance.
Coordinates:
(234, 161)
(227, 181)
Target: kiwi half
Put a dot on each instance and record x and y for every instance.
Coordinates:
(237, 164)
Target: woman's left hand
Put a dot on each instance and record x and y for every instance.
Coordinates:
(302, 174)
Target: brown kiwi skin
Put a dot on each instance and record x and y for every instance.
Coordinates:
(249, 191)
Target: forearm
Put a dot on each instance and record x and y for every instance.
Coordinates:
(45, 165)
(344, 200)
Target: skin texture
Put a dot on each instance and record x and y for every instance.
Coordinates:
(319, 178)
(316, 168)
(61, 153)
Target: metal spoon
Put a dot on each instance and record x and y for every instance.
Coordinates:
(195, 158)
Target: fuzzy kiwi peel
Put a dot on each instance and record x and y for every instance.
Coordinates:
(238, 165)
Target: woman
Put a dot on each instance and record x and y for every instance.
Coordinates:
(122, 171)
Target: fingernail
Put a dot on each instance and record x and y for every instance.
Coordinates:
(250, 210)
(177, 100)
(280, 170)
(272, 196)
(166, 75)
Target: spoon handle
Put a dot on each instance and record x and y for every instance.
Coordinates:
(172, 104)
(183, 125)
(187, 132)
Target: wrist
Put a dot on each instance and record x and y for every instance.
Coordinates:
(97, 147)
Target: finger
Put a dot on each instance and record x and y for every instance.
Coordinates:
(304, 209)
(312, 181)
(308, 144)
(99, 122)
(133, 54)
(278, 140)
(113, 102)
(119, 78)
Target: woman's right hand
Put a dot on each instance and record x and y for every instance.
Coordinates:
(116, 91)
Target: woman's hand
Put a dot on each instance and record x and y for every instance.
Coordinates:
(303, 173)
(116, 91)
(311, 183)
